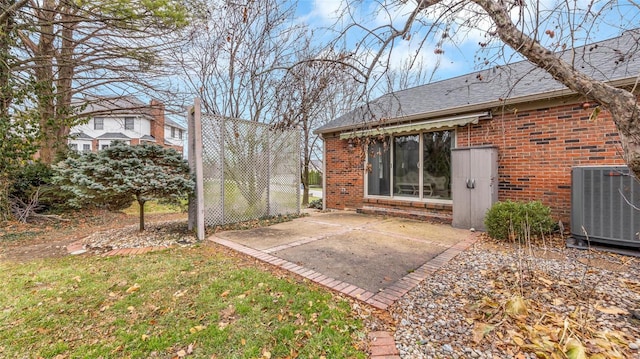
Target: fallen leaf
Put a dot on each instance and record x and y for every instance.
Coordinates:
(181, 353)
(225, 293)
(144, 337)
(480, 330)
(519, 341)
(243, 341)
(266, 355)
(180, 293)
(516, 306)
(611, 310)
(197, 328)
(574, 349)
(133, 288)
(545, 281)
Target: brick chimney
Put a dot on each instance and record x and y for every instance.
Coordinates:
(157, 125)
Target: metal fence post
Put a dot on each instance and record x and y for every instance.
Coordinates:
(197, 161)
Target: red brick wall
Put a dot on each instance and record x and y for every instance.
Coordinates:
(157, 125)
(537, 143)
(344, 174)
(538, 147)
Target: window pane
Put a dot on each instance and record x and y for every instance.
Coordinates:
(437, 164)
(98, 123)
(378, 177)
(128, 123)
(406, 175)
(86, 147)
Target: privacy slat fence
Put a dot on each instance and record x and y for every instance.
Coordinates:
(244, 170)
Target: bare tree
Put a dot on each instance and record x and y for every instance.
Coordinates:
(313, 93)
(541, 32)
(254, 61)
(239, 56)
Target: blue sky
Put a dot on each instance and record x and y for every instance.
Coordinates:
(460, 51)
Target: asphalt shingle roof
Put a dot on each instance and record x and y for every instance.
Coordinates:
(613, 59)
(113, 136)
(172, 123)
(114, 105)
(80, 136)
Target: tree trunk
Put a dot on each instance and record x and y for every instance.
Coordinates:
(5, 71)
(141, 202)
(305, 185)
(44, 82)
(66, 65)
(622, 104)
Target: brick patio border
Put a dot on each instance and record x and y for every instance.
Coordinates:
(381, 344)
(381, 300)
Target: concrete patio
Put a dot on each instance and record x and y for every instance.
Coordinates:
(370, 258)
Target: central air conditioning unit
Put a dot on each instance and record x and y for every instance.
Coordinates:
(605, 205)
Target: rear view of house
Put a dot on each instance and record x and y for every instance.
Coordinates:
(125, 119)
(504, 133)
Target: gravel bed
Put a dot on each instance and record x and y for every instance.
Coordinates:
(585, 293)
(166, 233)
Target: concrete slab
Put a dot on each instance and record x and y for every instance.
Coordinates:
(363, 254)
(424, 231)
(343, 218)
(370, 260)
(282, 233)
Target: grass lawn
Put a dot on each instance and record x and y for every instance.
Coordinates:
(151, 207)
(195, 302)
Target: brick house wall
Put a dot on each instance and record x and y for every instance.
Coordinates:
(538, 144)
(344, 174)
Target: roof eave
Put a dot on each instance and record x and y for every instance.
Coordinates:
(473, 107)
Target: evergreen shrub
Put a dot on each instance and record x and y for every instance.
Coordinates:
(521, 219)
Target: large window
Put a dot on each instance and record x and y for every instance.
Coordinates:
(412, 166)
(98, 123)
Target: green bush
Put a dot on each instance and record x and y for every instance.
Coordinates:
(317, 204)
(37, 177)
(520, 218)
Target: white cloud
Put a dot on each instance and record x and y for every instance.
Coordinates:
(328, 10)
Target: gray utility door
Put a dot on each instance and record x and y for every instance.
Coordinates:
(475, 185)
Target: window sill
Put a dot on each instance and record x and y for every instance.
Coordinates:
(410, 199)
(410, 202)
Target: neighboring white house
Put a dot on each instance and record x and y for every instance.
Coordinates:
(125, 119)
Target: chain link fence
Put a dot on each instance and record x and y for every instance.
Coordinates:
(249, 170)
